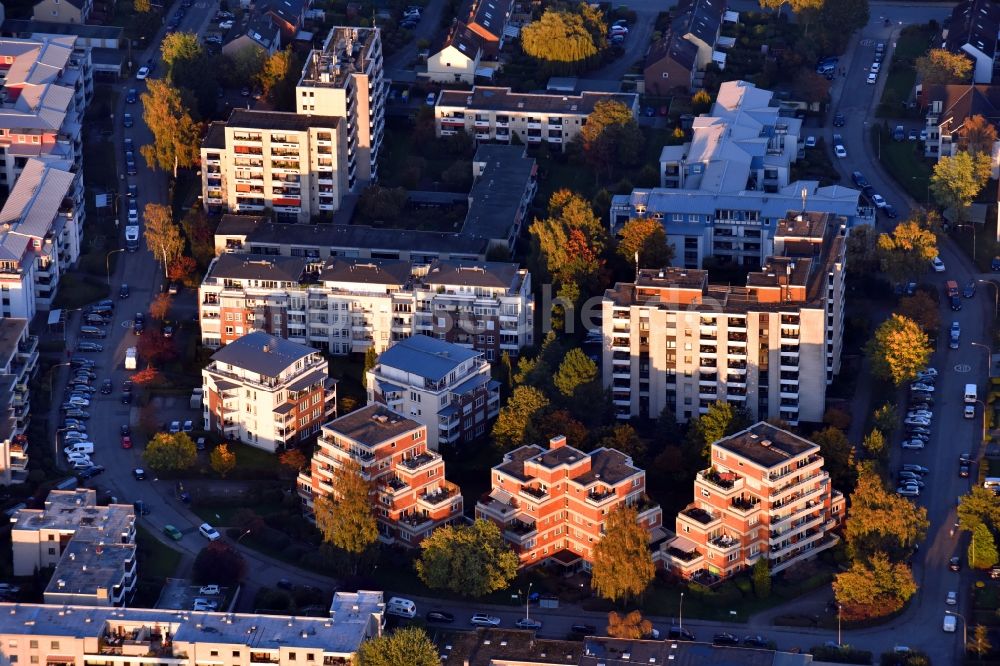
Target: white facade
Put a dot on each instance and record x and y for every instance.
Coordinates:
(451, 65)
(18, 362)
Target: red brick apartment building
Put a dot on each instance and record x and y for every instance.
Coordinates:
(551, 503)
(766, 494)
(409, 488)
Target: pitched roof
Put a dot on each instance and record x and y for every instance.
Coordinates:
(262, 353)
(491, 15)
(368, 271)
(958, 102)
(289, 11)
(676, 48)
(976, 23)
(700, 18)
(467, 41)
(32, 207)
(493, 274)
(495, 98)
(426, 357)
(255, 267)
(372, 425)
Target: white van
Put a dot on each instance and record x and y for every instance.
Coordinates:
(401, 607)
(79, 447)
(970, 393)
(949, 624)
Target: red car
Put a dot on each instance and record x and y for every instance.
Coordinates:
(126, 442)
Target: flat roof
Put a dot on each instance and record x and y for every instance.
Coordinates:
(366, 271)
(279, 120)
(496, 195)
(490, 98)
(251, 267)
(490, 274)
(27, 27)
(77, 511)
(86, 568)
(766, 445)
(215, 137)
(11, 330)
(372, 425)
(613, 651)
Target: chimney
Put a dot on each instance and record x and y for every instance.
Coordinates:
(556, 442)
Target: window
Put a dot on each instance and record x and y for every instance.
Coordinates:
(54, 645)
(214, 653)
(33, 645)
(291, 656)
(236, 653)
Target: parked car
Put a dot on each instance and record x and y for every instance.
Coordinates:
(908, 491)
(879, 201)
(584, 629)
(142, 73)
(676, 633)
(139, 474)
(914, 444)
(175, 427)
(528, 623)
(955, 563)
(484, 620)
(756, 641)
(838, 120)
(172, 532)
(127, 120)
(919, 469)
(209, 532)
(439, 616)
(725, 638)
(970, 289)
(840, 151)
(937, 265)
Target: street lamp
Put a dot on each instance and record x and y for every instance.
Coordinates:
(839, 607)
(680, 614)
(965, 627)
(527, 605)
(240, 538)
(996, 294)
(107, 264)
(989, 356)
(51, 373)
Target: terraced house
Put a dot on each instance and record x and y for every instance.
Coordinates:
(551, 503)
(765, 494)
(411, 495)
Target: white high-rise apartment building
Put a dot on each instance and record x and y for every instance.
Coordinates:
(675, 342)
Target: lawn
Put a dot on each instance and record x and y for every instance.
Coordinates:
(904, 161)
(468, 467)
(222, 515)
(75, 291)
(912, 43)
(985, 245)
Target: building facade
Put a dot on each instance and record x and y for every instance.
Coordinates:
(293, 164)
(765, 494)
(680, 58)
(551, 503)
(18, 362)
(85, 634)
(267, 392)
(446, 387)
(67, 11)
(346, 306)
(495, 114)
(41, 224)
(344, 79)
(675, 342)
(973, 30)
(409, 489)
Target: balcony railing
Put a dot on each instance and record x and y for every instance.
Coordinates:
(744, 504)
(699, 515)
(537, 493)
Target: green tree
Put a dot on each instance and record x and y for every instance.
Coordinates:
(554, 422)
(458, 176)
(180, 46)
(611, 136)
(958, 179)
(371, 360)
(721, 419)
(163, 237)
(222, 460)
(347, 519)
(875, 445)
(862, 257)
(982, 548)
(761, 578)
(176, 137)
(471, 560)
(200, 234)
(805, 10)
(623, 437)
(880, 521)
(980, 506)
(921, 308)
(906, 252)
(873, 588)
(243, 67)
(380, 203)
(623, 566)
(219, 563)
(944, 67)
(645, 236)
(980, 642)
(629, 626)
(843, 17)
(513, 426)
(899, 350)
(407, 645)
(575, 371)
(567, 246)
(170, 452)
(838, 457)
(886, 417)
(560, 40)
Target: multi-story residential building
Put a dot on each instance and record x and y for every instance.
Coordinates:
(40, 229)
(679, 59)
(722, 194)
(494, 114)
(294, 164)
(346, 305)
(446, 387)
(41, 538)
(409, 489)
(675, 342)
(93, 574)
(765, 494)
(974, 30)
(266, 391)
(67, 11)
(18, 361)
(47, 84)
(98, 44)
(551, 504)
(66, 634)
(477, 35)
(949, 108)
(344, 79)
(506, 181)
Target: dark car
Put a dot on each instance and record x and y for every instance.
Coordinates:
(680, 634)
(141, 508)
(133, 191)
(440, 616)
(132, 96)
(168, 331)
(123, 291)
(955, 563)
(838, 120)
(106, 387)
(995, 264)
(970, 289)
(956, 303)
(725, 638)
(127, 398)
(139, 474)
(756, 642)
(284, 584)
(138, 323)
(585, 629)
(128, 146)
(890, 211)
(127, 120)
(90, 472)
(859, 179)
(125, 430)
(963, 470)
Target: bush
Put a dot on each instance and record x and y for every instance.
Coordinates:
(844, 655)
(744, 585)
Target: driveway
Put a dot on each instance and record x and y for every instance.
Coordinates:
(398, 65)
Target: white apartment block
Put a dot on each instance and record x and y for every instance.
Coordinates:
(495, 114)
(673, 341)
(344, 79)
(346, 305)
(288, 162)
(94, 574)
(267, 392)
(41, 225)
(446, 387)
(18, 361)
(45, 86)
(723, 193)
(78, 634)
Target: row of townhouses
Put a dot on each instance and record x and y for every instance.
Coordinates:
(345, 306)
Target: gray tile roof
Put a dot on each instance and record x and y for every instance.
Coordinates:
(426, 357)
(372, 425)
(492, 15)
(25, 28)
(496, 195)
(251, 267)
(262, 353)
(32, 206)
(216, 136)
(976, 23)
(465, 40)
(368, 271)
(490, 98)
(493, 274)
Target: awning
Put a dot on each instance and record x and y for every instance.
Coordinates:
(683, 544)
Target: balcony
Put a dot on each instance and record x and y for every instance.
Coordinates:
(415, 521)
(725, 481)
(724, 542)
(534, 493)
(744, 504)
(440, 495)
(520, 528)
(601, 496)
(416, 462)
(700, 515)
(683, 556)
